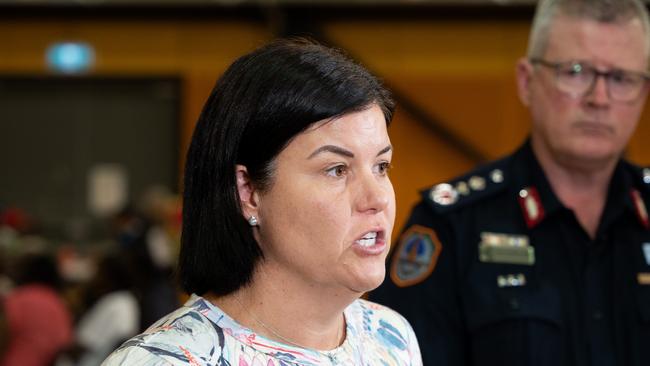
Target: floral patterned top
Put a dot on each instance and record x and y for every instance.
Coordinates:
(199, 333)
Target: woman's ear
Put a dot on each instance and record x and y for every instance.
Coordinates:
(247, 195)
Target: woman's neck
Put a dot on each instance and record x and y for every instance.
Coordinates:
(284, 308)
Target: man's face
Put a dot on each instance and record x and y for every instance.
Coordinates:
(591, 128)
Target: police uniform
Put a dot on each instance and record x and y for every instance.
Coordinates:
(492, 269)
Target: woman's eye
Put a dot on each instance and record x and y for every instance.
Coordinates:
(337, 171)
(383, 168)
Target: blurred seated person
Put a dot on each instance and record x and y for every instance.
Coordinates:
(147, 248)
(287, 219)
(6, 282)
(113, 314)
(38, 322)
(142, 241)
(4, 336)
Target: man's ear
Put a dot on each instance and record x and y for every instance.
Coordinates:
(248, 197)
(524, 76)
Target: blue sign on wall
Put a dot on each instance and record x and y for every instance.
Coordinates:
(70, 57)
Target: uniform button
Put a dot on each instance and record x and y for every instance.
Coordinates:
(597, 315)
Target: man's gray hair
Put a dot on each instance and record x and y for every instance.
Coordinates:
(605, 11)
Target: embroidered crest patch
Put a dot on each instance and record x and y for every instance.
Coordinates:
(415, 257)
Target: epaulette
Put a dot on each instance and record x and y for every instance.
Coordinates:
(478, 184)
(642, 177)
(640, 192)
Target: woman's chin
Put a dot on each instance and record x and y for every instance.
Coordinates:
(370, 280)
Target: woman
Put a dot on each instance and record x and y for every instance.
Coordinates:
(288, 212)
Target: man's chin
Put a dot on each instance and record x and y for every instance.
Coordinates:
(593, 154)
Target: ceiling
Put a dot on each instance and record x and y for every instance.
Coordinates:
(264, 2)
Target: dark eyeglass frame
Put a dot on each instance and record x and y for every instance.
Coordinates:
(584, 66)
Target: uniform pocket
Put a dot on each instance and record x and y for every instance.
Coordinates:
(515, 325)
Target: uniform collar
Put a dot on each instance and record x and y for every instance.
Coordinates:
(530, 178)
(625, 190)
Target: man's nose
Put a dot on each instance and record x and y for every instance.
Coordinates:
(598, 93)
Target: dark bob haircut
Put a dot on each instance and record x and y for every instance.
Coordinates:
(262, 101)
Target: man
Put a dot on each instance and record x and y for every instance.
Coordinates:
(543, 257)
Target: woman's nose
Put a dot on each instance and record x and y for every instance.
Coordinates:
(374, 193)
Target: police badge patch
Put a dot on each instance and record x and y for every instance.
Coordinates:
(415, 257)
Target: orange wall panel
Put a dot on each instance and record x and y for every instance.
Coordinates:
(195, 51)
(461, 72)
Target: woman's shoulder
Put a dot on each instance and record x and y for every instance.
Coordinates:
(185, 337)
(384, 332)
(373, 313)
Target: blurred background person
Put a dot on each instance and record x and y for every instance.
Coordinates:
(38, 324)
(4, 336)
(4, 333)
(146, 247)
(288, 212)
(112, 313)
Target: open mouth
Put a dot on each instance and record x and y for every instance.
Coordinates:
(370, 238)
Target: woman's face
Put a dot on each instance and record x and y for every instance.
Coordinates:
(328, 215)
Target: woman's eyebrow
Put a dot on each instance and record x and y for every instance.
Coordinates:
(341, 151)
(332, 149)
(385, 150)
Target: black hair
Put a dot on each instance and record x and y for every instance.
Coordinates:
(36, 268)
(262, 101)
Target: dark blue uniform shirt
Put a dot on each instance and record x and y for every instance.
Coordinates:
(492, 269)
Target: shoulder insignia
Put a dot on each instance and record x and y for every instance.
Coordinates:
(477, 183)
(640, 192)
(531, 206)
(444, 194)
(496, 176)
(640, 208)
(480, 183)
(641, 176)
(646, 175)
(415, 257)
(462, 188)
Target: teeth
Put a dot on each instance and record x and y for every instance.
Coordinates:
(368, 240)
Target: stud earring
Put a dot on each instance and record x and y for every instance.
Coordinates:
(252, 221)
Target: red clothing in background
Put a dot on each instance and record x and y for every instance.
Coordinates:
(39, 326)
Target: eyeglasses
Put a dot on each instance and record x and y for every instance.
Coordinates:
(578, 78)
